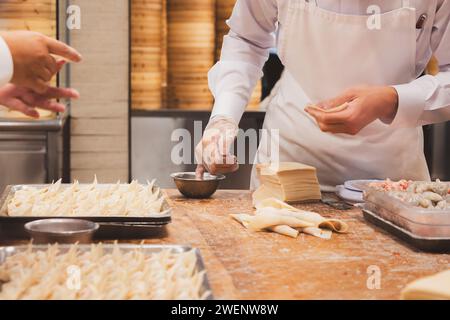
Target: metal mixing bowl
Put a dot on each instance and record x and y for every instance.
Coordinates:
(191, 187)
(61, 231)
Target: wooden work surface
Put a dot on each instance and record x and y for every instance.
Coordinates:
(246, 265)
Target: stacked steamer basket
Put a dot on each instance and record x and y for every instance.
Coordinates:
(32, 15)
(190, 50)
(224, 8)
(146, 54)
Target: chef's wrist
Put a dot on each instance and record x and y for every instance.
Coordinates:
(390, 107)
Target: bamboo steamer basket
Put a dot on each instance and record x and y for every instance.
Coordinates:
(190, 53)
(224, 9)
(146, 54)
(31, 15)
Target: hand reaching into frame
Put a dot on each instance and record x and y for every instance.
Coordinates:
(26, 100)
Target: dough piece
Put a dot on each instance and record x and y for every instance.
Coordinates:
(436, 287)
(261, 194)
(312, 217)
(340, 108)
(319, 233)
(269, 218)
(285, 230)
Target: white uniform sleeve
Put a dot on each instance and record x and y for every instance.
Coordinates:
(244, 52)
(427, 99)
(6, 63)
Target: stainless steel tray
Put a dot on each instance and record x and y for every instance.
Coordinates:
(9, 251)
(428, 244)
(110, 227)
(428, 223)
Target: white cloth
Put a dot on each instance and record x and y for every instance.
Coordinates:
(6, 63)
(421, 101)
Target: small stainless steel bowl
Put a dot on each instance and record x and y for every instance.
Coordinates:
(191, 187)
(61, 231)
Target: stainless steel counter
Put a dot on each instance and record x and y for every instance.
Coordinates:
(31, 151)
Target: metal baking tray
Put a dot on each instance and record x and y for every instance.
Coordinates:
(427, 244)
(12, 228)
(9, 251)
(426, 223)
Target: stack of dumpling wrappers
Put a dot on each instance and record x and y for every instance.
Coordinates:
(288, 182)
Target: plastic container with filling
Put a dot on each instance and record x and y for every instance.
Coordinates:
(425, 223)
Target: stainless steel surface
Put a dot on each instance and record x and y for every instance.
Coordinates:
(191, 187)
(61, 231)
(420, 222)
(33, 125)
(153, 139)
(6, 252)
(23, 158)
(428, 244)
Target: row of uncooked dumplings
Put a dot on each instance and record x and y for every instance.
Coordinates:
(99, 275)
(88, 200)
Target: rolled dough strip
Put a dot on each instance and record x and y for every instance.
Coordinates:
(288, 210)
(285, 230)
(266, 220)
(319, 233)
(340, 108)
(243, 219)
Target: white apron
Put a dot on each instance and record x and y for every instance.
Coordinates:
(325, 53)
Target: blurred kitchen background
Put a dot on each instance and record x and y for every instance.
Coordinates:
(144, 74)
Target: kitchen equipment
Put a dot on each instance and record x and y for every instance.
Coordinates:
(191, 187)
(61, 231)
(31, 152)
(5, 252)
(423, 228)
(427, 244)
(110, 227)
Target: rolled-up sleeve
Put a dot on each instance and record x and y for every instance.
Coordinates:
(6, 63)
(427, 99)
(244, 52)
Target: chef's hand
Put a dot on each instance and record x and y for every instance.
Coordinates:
(355, 109)
(213, 152)
(34, 63)
(26, 100)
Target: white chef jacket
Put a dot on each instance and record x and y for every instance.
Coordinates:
(6, 63)
(253, 24)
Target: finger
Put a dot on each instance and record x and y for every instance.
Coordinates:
(199, 172)
(59, 65)
(61, 93)
(51, 64)
(18, 105)
(337, 101)
(323, 117)
(39, 86)
(46, 75)
(63, 50)
(50, 105)
(224, 168)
